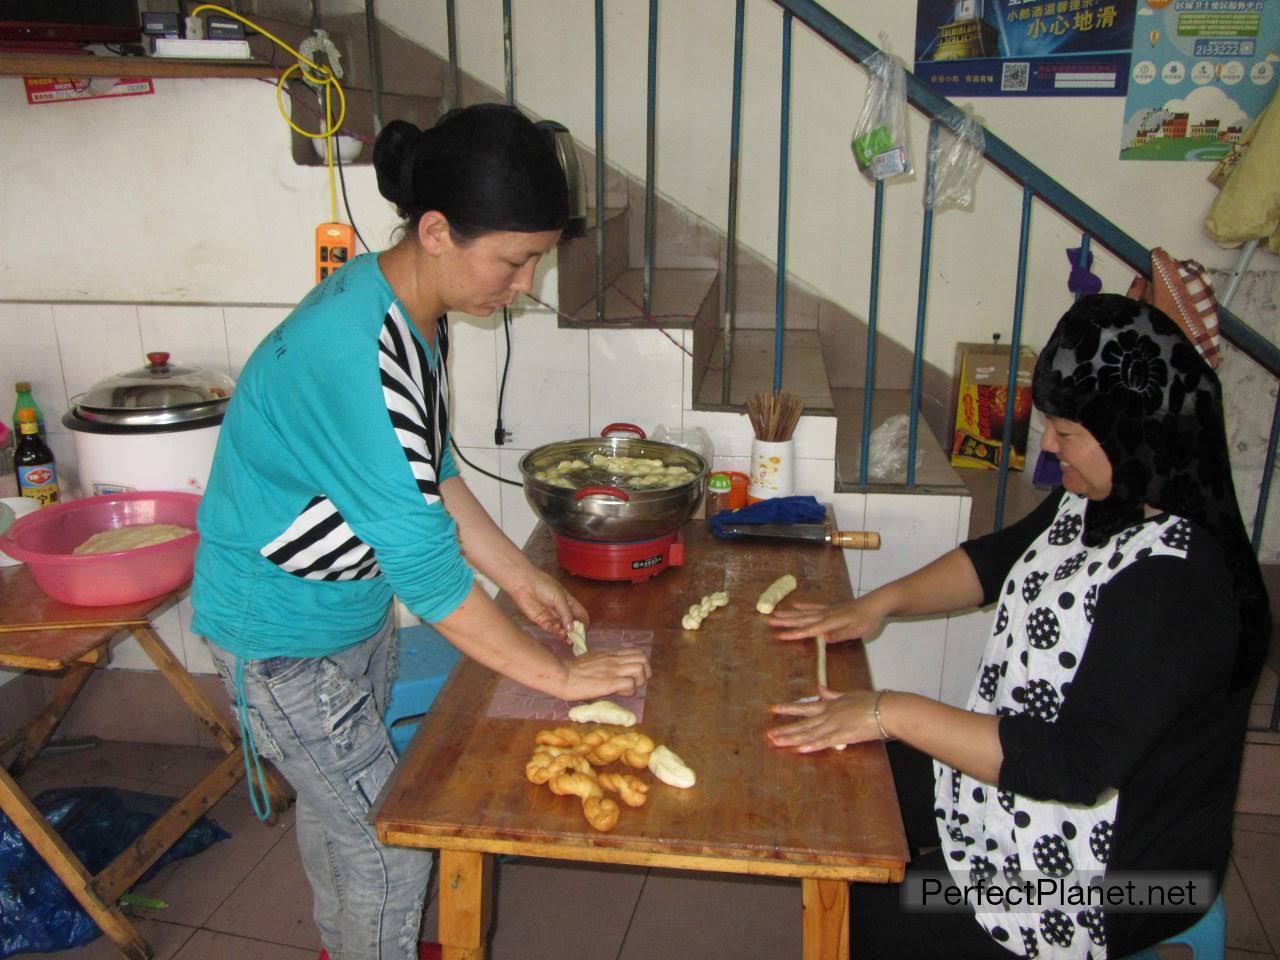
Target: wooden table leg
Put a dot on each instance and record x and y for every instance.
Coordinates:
(466, 897)
(41, 728)
(826, 919)
(137, 858)
(68, 868)
(176, 674)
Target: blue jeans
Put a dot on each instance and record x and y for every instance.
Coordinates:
(319, 720)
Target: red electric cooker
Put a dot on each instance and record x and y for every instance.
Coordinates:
(605, 532)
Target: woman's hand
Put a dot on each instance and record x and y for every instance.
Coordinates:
(545, 602)
(851, 620)
(828, 722)
(595, 675)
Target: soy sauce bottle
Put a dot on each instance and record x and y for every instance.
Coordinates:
(33, 460)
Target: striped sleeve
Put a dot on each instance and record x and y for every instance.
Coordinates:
(377, 430)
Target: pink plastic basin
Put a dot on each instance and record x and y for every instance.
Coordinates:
(44, 540)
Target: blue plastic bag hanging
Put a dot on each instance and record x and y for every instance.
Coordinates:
(880, 139)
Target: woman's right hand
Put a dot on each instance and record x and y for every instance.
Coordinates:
(851, 620)
(595, 675)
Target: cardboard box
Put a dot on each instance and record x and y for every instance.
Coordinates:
(980, 391)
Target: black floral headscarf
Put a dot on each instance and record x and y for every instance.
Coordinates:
(1128, 374)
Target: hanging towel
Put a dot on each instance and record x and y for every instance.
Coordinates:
(1248, 208)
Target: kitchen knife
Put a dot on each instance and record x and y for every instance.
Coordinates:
(806, 533)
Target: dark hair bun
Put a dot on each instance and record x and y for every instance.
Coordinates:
(392, 153)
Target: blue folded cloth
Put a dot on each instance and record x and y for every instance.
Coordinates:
(777, 510)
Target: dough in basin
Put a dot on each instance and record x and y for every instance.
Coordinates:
(132, 537)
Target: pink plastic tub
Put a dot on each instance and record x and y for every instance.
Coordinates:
(44, 541)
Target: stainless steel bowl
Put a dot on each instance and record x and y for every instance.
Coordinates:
(620, 515)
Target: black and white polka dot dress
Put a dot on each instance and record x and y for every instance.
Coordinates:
(1042, 624)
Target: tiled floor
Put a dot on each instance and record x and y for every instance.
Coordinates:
(246, 898)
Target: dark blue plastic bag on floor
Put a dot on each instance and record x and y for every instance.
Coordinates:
(37, 913)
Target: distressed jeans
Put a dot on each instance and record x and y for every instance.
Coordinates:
(319, 720)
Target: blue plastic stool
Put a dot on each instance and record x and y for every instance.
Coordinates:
(1207, 937)
(425, 661)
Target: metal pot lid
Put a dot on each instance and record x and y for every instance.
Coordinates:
(160, 392)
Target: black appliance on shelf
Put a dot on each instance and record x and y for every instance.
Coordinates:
(62, 25)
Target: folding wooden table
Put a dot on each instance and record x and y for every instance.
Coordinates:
(38, 633)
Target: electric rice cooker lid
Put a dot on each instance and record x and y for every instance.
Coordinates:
(159, 397)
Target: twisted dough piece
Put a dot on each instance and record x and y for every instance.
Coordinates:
(559, 737)
(600, 812)
(632, 789)
(608, 745)
(544, 765)
(579, 637)
(576, 783)
(700, 611)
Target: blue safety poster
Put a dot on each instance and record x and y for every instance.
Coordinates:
(1203, 70)
(1024, 48)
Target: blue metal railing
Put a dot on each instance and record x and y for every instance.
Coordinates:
(1036, 184)
(600, 185)
(784, 150)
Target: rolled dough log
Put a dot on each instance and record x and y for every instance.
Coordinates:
(670, 769)
(602, 711)
(775, 593)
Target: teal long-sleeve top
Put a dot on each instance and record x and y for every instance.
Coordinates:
(324, 497)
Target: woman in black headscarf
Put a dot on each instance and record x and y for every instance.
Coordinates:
(1105, 730)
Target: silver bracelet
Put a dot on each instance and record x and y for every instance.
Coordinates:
(876, 712)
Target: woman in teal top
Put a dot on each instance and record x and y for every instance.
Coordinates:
(333, 488)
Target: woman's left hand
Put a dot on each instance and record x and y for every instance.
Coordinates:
(834, 719)
(545, 602)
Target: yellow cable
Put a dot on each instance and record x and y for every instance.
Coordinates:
(329, 146)
(323, 76)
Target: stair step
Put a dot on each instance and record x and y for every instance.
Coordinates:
(679, 297)
(934, 473)
(576, 257)
(804, 371)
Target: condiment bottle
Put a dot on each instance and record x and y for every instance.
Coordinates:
(25, 401)
(33, 460)
(718, 488)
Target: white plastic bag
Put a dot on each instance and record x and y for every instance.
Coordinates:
(887, 459)
(957, 159)
(880, 143)
(691, 438)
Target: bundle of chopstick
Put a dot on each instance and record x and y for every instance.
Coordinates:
(774, 414)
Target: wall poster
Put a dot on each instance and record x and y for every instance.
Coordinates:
(1202, 72)
(1024, 48)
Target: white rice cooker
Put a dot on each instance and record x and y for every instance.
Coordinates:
(150, 429)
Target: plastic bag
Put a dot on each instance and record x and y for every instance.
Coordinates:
(888, 456)
(957, 159)
(691, 438)
(37, 914)
(880, 143)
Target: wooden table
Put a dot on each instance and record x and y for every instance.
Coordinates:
(825, 820)
(39, 633)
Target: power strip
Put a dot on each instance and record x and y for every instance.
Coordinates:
(199, 49)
